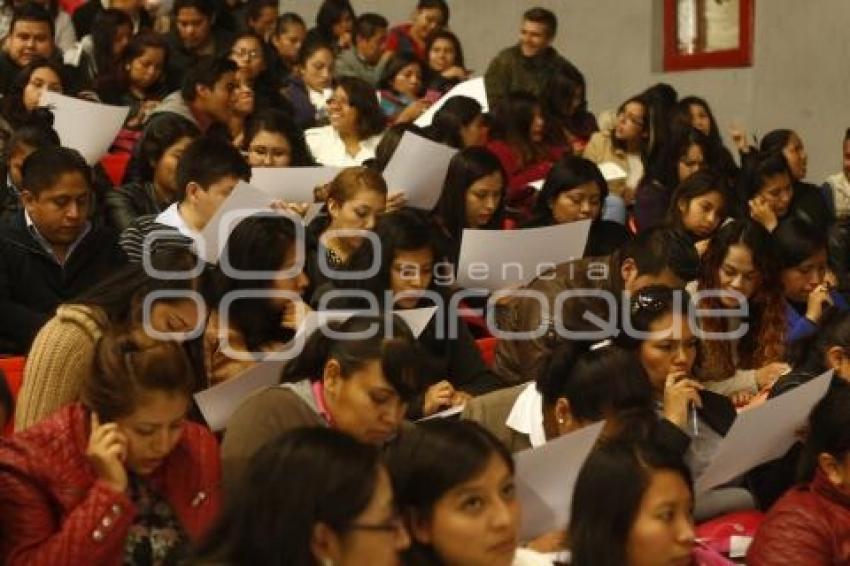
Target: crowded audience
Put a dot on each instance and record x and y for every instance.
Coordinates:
(307, 370)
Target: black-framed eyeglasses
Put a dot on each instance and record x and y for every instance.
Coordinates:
(393, 525)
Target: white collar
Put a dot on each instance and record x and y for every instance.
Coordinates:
(526, 415)
(171, 216)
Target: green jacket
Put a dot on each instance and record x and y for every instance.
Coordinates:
(511, 71)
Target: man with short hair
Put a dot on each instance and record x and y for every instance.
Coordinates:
(207, 173)
(206, 96)
(195, 36)
(658, 256)
(30, 37)
(366, 59)
(51, 252)
(527, 65)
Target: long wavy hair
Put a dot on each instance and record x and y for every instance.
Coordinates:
(765, 340)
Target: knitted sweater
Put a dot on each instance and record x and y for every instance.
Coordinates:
(61, 357)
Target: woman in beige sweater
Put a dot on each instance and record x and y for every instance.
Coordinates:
(62, 354)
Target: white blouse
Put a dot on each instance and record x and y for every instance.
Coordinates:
(329, 149)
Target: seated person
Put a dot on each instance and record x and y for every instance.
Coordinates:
(195, 35)
(802, 250)
(576, 190)
(446, 67)
(26, 139)
(526, 144)
(271, 139)
(261, 17)
(355, 198)
(160, 150)
(659, 331)
(527, 65)
(119, 476)
(633, 506)
(360, 387)
(206, 174)
(236, 340)
(627, 143)
(473, 197)
(206, 96)
(286, 39)
(412, 37)
(366, 58)
(810, 524)
(355, 128)
(403, 97)
(334, 20)
(51, 252)
(340, 483)
(454, 488)
(63, 352)
(308, 87)
(405, 280)
(31, 36)
(22, 104)
(659, 256)
(741, 258)
(584, 382)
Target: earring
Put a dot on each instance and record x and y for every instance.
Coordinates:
(560, 420)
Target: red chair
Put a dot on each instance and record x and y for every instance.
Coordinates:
(13, 368)
(487, 347)
(115, 164)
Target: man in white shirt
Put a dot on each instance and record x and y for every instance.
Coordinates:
(207, 173)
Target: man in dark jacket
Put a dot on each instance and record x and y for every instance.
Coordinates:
(51, 253)
(527, 65)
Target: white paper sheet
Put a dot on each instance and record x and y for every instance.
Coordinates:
(612, 172)
(763, 433)
(494, 259)
(473, 88)
(88, 127)
(418, 169)
(219, 402)
(244, 201)
(295, 184)
(546, 477)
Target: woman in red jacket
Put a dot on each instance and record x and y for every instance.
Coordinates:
(810, 524)
(120, 478)
(526, 145)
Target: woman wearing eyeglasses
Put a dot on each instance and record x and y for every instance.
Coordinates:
(272, 139)
(454, 484)
(668, 351)
(627, 144)
(313, 496)
(356, 126)
(252, 61)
